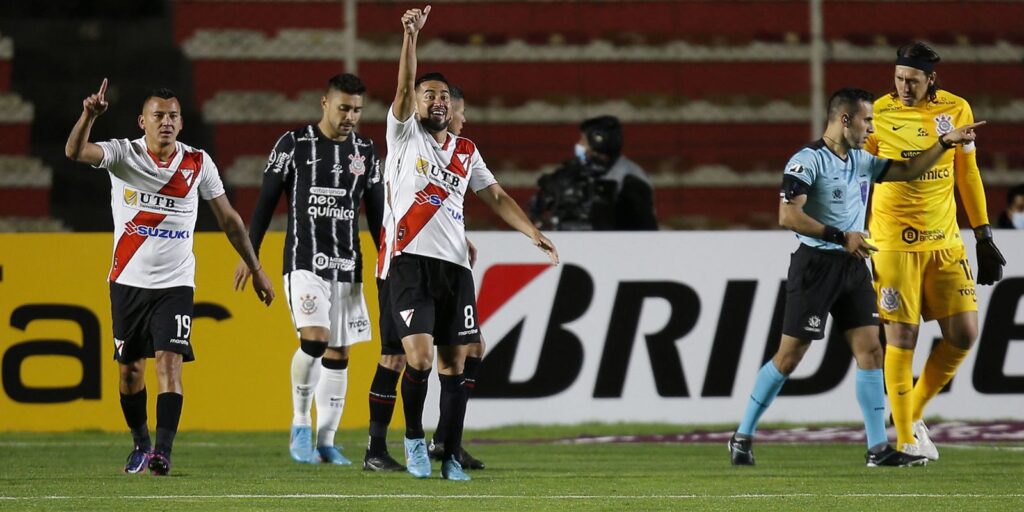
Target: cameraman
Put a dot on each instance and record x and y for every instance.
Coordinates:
(599, 190)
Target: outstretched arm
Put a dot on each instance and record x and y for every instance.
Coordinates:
(509, 211)
(78, 147)
(915, 167)
(405, 97)
(231, 223)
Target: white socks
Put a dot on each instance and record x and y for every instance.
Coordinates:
(305, 373)
(330, 402)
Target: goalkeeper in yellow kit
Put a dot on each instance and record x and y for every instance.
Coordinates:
(921, 269)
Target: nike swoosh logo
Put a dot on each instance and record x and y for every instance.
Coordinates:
(897, 128)
(901, 393)
(311, 162)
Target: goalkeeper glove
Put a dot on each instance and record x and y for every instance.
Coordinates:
(990, 260)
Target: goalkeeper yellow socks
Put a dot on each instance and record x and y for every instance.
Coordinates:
(938, 371)
(899, 382)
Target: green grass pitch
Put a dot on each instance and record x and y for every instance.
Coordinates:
(252, 471)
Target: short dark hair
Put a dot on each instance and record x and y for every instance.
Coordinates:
(346, 83)
(847, 101)
(921, 52)
(432, 77)
(604, 134)
(158, 92)
(456, 92)
(1014, 192)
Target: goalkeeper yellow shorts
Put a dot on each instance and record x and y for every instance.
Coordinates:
(929, 284)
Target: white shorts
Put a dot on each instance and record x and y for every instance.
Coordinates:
(317, 302)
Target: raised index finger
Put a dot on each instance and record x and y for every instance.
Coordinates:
(103, 88)
(975, 125)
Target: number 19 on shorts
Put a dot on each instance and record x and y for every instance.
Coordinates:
(184, 325)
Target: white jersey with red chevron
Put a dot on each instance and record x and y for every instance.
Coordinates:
(426, 184)
(155, 209)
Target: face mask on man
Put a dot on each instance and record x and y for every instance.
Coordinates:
(1017, 218)
(581, 153)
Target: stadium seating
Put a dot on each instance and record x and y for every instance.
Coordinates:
(6, 54)
(700, 20)
(24, 187)
(712, 108)
(15, 120)
(24, 181)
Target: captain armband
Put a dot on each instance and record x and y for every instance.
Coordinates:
(792, 187)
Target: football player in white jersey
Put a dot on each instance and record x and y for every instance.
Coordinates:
(156, 183)
(424, 257)
(392, 360)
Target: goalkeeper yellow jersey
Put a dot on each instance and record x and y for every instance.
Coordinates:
(920, 215)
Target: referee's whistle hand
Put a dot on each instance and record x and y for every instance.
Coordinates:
(857, 246)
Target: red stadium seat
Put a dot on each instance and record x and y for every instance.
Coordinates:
(701, 19)
(5, 74)
(14, 138)
(515, 82)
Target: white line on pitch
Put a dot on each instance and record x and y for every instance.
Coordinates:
(30, 444)
(511, 497)
(984, 447)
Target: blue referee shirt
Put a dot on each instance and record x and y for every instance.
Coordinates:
(839, 188)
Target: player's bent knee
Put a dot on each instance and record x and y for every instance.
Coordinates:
(961, 332)
(964, 339)
(451, 359)
(420, 359)
(870, 358)
(312, 348)
(901, 335)
(337, 354)
(392, 362)
(786, 365)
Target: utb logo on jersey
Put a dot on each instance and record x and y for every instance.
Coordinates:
(422, 166)
(157, 203)
(445, 177)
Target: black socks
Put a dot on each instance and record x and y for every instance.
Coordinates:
(414, 393)
(382, 407)
(168, 412)
(134, 409)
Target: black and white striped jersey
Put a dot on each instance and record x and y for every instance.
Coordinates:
(325, 182)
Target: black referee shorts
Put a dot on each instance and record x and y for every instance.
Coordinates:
(149, 320)
(822, 282)
(425, 295)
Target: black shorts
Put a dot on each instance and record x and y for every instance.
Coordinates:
(149, 320)
(425, 295)
(822, 282)
(390, 342)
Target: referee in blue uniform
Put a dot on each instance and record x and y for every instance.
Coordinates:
(825, 192)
